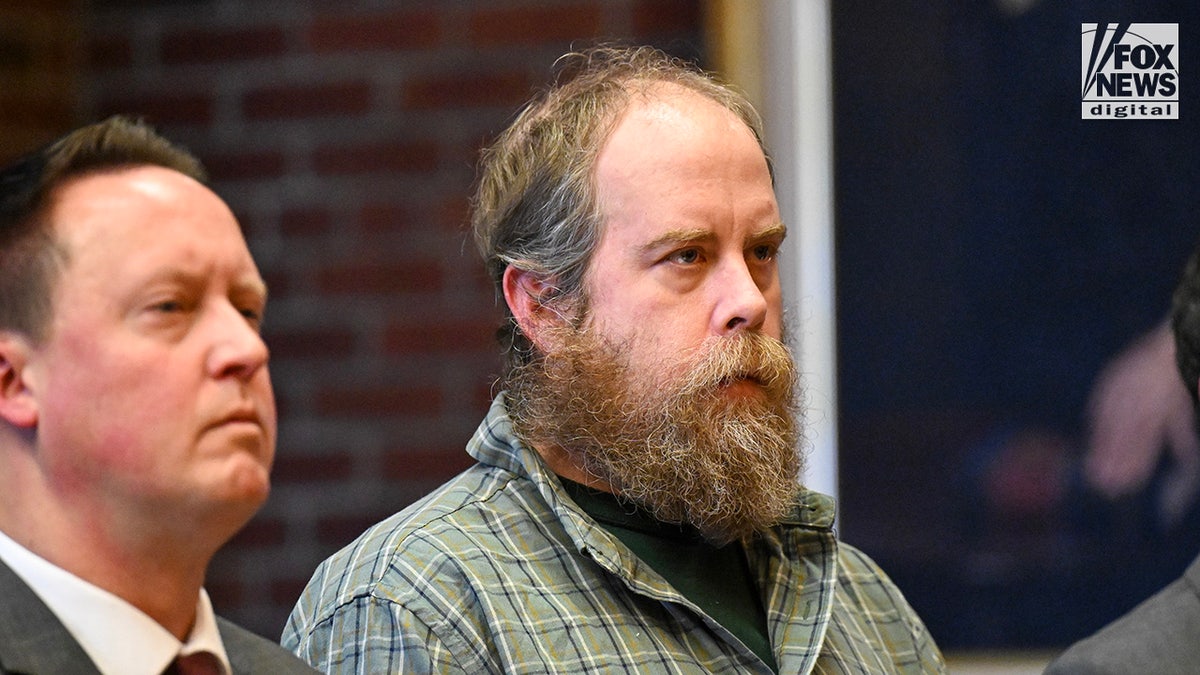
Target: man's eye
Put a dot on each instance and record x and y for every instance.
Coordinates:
(688, 256)
(168, 306)
(766, 251)
(253, 316)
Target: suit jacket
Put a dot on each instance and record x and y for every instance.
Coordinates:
(1160, 636)
(34, 642)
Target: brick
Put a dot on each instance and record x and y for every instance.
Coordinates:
(17, 140)
(336, 532)
(252, 224)
(299, 101)
(432, 466)
(384, 218)
(483, 392)
(309, 342)
(139, 4)
(263, 165)
(376, 157)
(374, 401)
(214, 46)
(17, 51)
(37, 112)
(260, 532)
(447, 335)
(361, 277)
(285, 405)
(28, 5)
(466, 90)
(110, 52)
(294, 468)
(655, 17)
(394, 31)
(285, 591)
(278, 283)
(300, 222)
(161, 108)
(534, 24)
(223, 590)
(453, 214)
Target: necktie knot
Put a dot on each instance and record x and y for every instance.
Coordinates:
(198, 663)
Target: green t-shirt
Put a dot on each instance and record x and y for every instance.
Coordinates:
(716, 578)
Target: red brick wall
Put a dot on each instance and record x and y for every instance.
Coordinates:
(344, 136)
(40, 62)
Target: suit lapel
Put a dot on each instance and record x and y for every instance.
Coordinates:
(32, 639)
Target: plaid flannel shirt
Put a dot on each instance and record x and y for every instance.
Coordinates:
(499, 571)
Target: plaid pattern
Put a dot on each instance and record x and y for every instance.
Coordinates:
(499, 571)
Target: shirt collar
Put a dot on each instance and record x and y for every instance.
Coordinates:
(78, 604)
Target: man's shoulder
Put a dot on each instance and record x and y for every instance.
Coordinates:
(864, 586)
(464, 506)
(869, 614)
(251, 654)
(429, 560)
(32, 639)
(1159, 635)
(479, 511)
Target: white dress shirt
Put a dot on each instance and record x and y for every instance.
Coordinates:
(119, 638)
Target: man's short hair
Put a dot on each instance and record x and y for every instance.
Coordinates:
(535, 205)
(1185, 323)
(30, 257)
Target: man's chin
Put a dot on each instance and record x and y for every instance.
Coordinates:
(238, 480)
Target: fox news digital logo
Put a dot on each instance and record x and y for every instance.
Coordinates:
(1130, 71)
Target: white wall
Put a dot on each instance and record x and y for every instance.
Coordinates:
(797, 108)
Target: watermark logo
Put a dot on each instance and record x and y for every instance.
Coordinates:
(1130, 71)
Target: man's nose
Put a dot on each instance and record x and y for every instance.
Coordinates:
(238, 349)
(741, 302)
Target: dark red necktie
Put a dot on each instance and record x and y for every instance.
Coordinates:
(200, 663)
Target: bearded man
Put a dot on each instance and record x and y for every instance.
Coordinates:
(636, 504)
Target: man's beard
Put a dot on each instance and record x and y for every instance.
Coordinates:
(677, 444)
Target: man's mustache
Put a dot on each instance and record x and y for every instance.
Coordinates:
(746, 356)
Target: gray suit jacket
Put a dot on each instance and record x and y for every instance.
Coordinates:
(34, 642)
(1160, 636)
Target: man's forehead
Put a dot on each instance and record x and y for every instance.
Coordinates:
(165, 217)
(97, 196)
(671, 103)
(667, 129)
(134, 198)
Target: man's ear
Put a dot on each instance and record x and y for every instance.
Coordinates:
(527, 294)
(18, 405)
